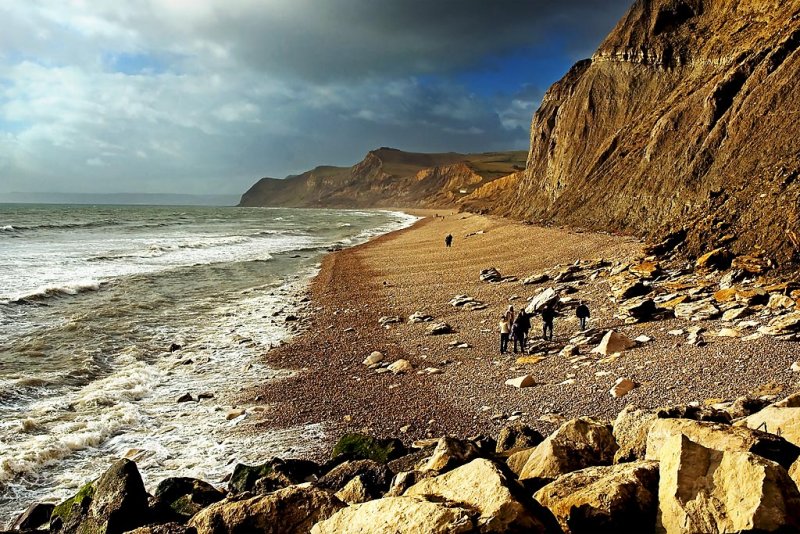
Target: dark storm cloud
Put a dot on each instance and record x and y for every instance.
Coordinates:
(343, 38)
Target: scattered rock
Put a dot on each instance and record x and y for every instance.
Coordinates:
(639, 309)
(273, 474)
(517, 436)
(292, 510)
(545, 298)
(628, 289)
(751, 264)
(490, 275)
(186, 397)
(618, 498)
(400, 367)
(373, 358)
(783, 326)
(728, 332)
(717, 259)
(186, 496)
(696, 311)
(614, 342)
(646, 269)
(525, 381)
(374, 478)
(233, 413)
(36, 515)
(365, 447)
(419, 317)
(438, 329)
(622, 387)
(536, 279)
(389, 320)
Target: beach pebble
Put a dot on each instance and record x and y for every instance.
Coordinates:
(622, 387)
(525, 381)
(373, 358)
(401, 366)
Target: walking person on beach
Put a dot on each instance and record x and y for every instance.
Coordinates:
(510, 314)
(582, 313)
(505, 332)
(448, 240)
(520, 330)
(548, 314)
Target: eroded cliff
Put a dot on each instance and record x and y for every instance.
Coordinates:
(685, 116)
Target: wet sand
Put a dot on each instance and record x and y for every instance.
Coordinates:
(411, 270)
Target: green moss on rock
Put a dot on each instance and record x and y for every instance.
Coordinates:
(65, 510)
(365, 447)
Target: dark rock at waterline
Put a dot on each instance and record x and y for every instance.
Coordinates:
(186, 397)
(114, 503)
(277, 472)
(360, 446)
(186, 496)
(374, 476)
(205, 395)
(291, 318)
(175, 347)
(36, 515)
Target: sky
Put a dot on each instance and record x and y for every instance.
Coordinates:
(207, 96)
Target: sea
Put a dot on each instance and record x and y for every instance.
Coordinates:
(96, 300)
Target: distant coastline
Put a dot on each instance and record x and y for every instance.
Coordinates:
(137, 199)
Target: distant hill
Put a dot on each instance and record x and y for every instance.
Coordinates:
(388, 177)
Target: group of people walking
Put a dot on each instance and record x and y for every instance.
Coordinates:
(516, 328)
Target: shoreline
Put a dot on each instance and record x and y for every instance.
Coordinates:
(406, 270)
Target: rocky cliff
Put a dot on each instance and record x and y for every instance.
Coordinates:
(684, 117)
(388, 177)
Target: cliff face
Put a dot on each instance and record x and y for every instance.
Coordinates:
(388, 177)
(685, 116)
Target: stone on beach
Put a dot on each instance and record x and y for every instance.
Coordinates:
(385, 321)
(545, 298)
(401, 366)
(781, 326)
(696, 311)
(516, 437)
(622, 387)
(449, 454)
(490, 275)
(438, 329)
(524, 381)
(373, 358)
(614, 342)
(419, 317)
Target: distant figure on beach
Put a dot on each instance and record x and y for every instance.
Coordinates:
(548, 314)
(505, 332)
(510, 314)
(520, 331)
(448, 240)
(582, 313)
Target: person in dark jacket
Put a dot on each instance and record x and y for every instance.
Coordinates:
(448, 240)
(548, 314)
(582, 313)
(519, 330)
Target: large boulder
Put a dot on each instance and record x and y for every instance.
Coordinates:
(544, 299)
(397, 515)
(619, 498)
(706, 490)
(449, 454)
(271, 475)
(291, 510)
(517, 436)
(114, 503)
(784, 422)
(577, 444)
(36, 515)
(722, 438)
(481, 485)
(186, 496)
(630, 432)
(374, 477)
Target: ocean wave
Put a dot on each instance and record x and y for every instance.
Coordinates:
(46, 292)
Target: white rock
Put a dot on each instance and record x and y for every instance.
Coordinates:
(678, 332)
(643, 339)
(525, 381)
(795, 367)
(729, 332)
(401, 366)
(373, 358)
(614, 342)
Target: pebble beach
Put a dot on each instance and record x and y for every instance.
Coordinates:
(457, 384)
